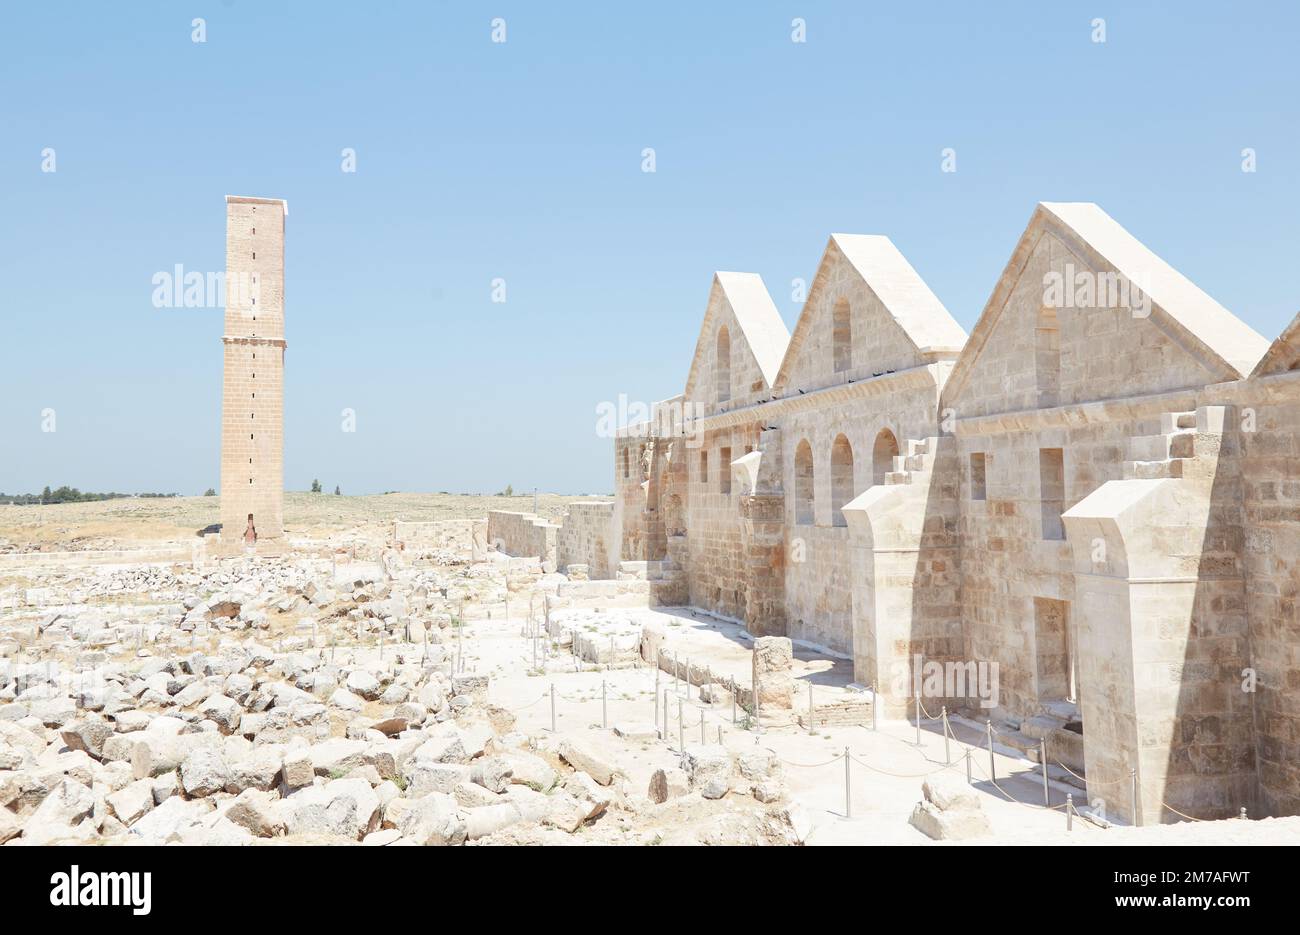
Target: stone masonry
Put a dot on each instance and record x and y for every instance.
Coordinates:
(252, 403)
(1095, 498)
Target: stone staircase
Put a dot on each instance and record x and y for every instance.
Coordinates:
(1064, 745)
(666, 576)
(1188, 446)
(1164, 455)
(918, 463)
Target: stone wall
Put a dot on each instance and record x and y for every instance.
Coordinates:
(523, 534)
(1094, 502)
(1271, 552)
(584, 539)
(464, 538)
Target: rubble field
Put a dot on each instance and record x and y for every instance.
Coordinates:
(354, 691)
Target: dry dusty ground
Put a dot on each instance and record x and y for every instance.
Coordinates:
(107, 524)
(97, 655)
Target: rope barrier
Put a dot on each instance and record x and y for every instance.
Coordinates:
(808, 765)
(1091, 782)
(1010, 798)
(1181, 814)
(707, 712)
(885, 772)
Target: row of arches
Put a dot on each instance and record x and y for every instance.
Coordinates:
(883, 453)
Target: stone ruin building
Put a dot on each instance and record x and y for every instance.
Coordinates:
(1097, 492)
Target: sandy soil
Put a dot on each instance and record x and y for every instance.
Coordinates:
(107, 524)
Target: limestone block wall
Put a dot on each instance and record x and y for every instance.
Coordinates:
(716, 571)
(1271, 553)
(1011, 562)
(466, 538)
(1161, 619)
(523, 534)
(1077, 355)
(631, 458)
(876, 343)
(584, 539)
(818, 574)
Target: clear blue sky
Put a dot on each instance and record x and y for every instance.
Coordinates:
(522, 160)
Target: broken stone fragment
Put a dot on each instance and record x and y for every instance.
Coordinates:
(88, 735)
(668, 784)
(709, 768)
(581, 756)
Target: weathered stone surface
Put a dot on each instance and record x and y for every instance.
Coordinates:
(225, 712)
(66, 805)
(493, 773)
(667, 784)
(345, 807)
(580, 755)
(773, 659)
(955, 825)
(489, 819)
(709, 769)
(88, 735)
(949, 793)
(203, 772)
(132, 802)
(433, 819)
(259, 812)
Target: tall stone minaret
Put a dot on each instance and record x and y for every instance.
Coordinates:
(252, 401)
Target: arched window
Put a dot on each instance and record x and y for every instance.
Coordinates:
(803, 484)
(841, 479)
(722, 365)
(842, 337)
(883, 453)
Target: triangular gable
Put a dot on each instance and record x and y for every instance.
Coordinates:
(1284, 354)
(886, 273)
(1225, 345)
(764, 334)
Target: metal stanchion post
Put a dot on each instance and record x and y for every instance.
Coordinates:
(604, 707)
(810, 709)
(1133, 780)
(681, 730)
(947, 755)
(1042, 756)
(968, 777)
(918, 718)
(552, 707)
(1069, 811)
(848, 785)
(993, 768)
(703, 739)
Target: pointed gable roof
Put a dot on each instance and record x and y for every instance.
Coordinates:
(760, 324)
(901, 290)
(1283, 354)
(1225, 344)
